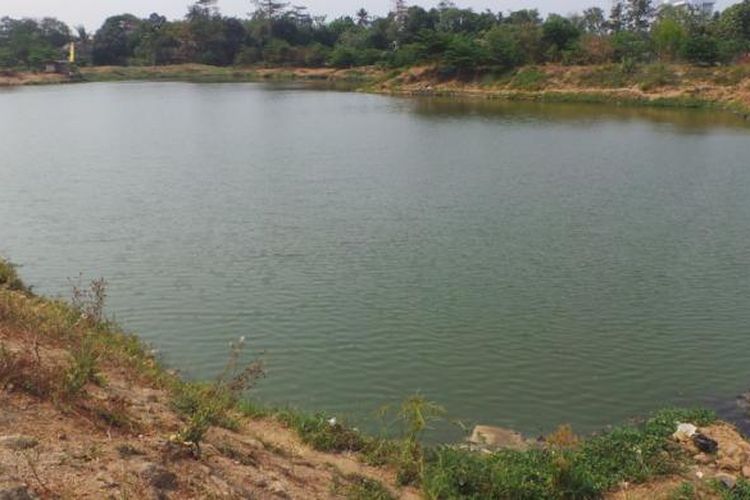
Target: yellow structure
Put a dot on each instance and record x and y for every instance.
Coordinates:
(72, 53)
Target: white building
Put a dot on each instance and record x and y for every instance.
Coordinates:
(704, 6)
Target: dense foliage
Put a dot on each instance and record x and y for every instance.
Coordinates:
(451, 37)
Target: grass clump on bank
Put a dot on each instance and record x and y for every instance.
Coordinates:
(9, 277)
(584, 470)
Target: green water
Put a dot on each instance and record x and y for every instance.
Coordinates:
(521, 264)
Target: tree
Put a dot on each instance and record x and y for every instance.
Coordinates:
(616, 22)
(269, 9)
(669, 37)
(559, 33)
(503, 48)
(464, 53)
(593, 21)
(27, 43)
(363, 18)
(639, 14)
(734, 22)
(701, 49)
(114, 42)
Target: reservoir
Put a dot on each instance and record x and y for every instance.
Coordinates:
(521, 264)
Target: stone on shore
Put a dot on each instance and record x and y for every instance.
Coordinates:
(684, 432)
(728, 480)
(498, 438)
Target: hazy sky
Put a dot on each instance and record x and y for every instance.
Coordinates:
(92, 13)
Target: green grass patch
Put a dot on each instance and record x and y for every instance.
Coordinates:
(630, 453)
(357, 487)
(530, 78)
(9, 277)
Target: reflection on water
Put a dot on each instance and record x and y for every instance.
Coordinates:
(685, 120)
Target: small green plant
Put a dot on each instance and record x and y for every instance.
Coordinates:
(586, 470)
(529, 79)
(685, 491)
(357, 487)
(656, 76)
(322, 432)
(205, 405)
(83, 369)
(90, 300)
(413, 416)
(9, 278)
(741, 491)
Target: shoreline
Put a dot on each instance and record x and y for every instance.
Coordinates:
(658, 86)
(71, 380)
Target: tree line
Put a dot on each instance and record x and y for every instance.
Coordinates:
(454, 38)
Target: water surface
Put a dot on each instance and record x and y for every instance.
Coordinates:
(521, 264)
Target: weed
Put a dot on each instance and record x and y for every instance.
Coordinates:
(84, 368)
(89, 301)
(358, 487)
(656, 76)
(529, 79)
(414, 416)
(23, 371)
(127, 450)
(741, 491)
(322, 432)
(232, 453)
(111, 413)
(563, 438)
(9, 278)
(632, 454)
(685, 491)
(205, 405)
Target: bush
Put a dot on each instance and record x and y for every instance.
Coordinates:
(529, 79)
(9, 278)
(701, 49)
(343, 57)
(581, 471)
(464, 53)
(503, 49)
(205, 405)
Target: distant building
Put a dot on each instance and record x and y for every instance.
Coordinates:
(704, 6)
(61, 67)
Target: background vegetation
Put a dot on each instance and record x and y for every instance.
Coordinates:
(453, 38)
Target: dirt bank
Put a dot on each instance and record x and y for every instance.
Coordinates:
(726, 87)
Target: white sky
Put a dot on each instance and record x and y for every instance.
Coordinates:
(92, 13)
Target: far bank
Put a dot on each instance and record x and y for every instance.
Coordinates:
(657, 85)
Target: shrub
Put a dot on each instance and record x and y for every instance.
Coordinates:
(205, 405)
(701, 49)
(9, 278)
(529, 79)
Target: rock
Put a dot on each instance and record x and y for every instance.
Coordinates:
(684, 432)
(18, 442)
(157, 476)
(498, 438)
(746, 471)
(705, 443)
(728, 480)
(702, 458)
(15, 493)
